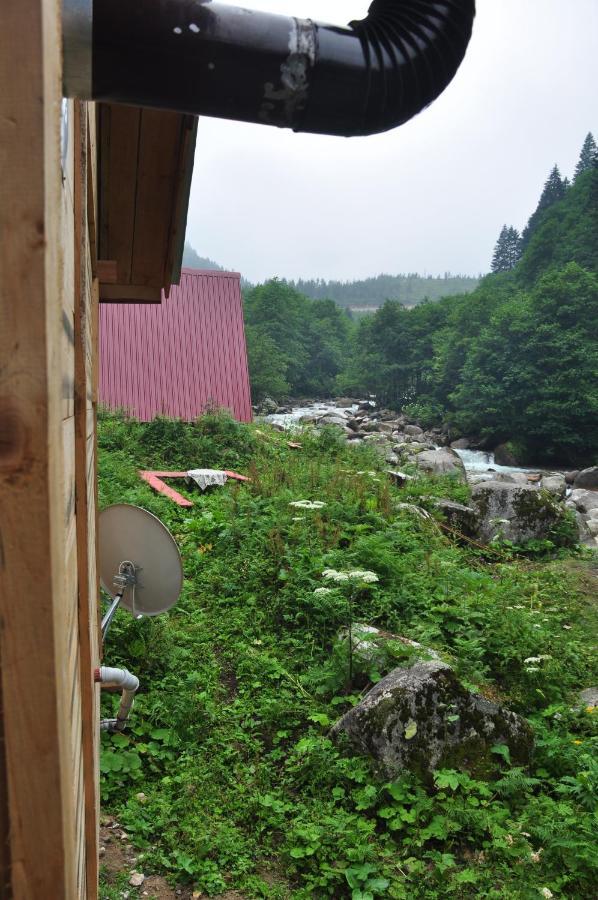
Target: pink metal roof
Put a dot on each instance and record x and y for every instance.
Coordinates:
(176, 357)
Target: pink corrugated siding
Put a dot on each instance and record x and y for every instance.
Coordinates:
(179, 356)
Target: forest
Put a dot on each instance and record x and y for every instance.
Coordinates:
(515, 360)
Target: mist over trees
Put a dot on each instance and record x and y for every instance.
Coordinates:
(409, 289)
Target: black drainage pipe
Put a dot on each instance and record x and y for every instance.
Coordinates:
(205, 58)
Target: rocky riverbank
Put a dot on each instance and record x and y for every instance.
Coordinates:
(514, 503)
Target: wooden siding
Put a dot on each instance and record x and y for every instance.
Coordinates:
(180, 356)
(48, 582)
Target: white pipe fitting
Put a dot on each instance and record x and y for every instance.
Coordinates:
(108, 676)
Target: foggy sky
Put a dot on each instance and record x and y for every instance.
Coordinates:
(428, 197)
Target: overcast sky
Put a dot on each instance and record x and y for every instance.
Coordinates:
(428, 197)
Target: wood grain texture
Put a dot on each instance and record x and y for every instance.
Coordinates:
(32, 526)
(84, 453)
(48, 606)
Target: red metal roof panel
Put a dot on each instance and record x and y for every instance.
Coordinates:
(178, 357)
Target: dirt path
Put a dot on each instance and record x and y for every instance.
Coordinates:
(117, 856)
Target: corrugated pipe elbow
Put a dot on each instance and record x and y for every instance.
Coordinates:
(204, 58)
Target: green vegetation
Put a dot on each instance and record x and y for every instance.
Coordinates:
(295, 345)
(370, 293)
(517, 359)
(227, 777)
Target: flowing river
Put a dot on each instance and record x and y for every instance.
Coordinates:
(477, 462)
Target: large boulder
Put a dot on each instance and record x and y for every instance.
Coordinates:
(519, 513)
(506, 455)
(421, 718)
(268, 406)
(441, 462)
(413, 430)
(554, 484)
(587, 478)
(461, 444)
(458, 516)
(584, 501)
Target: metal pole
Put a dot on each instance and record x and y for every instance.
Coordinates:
(107, 620)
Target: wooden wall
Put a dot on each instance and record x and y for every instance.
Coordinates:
(48, 581)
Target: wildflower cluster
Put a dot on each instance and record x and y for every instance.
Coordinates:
(352, 575)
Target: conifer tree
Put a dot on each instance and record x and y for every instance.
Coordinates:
(507, 250)
(588, 157)
(554, 189)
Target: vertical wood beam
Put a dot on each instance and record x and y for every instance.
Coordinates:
(33, 569)
(85, 303)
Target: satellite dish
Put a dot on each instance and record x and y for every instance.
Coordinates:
(139, 561)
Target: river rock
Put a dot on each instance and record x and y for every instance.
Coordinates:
(375, 647)
(518, 513)
(392, 459)
(268, 405)
(413, 429)
(332, 419)
(345, 402)
(421, 718)
(584, 500)
(571, 476)
(398, 478)
(386, 428)
(504, 455)
(462, 518)
(441, 462)
(587, 478)
(589, 697)
(554, 484)
(460, 444)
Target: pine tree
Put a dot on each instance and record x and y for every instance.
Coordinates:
(588, 157)
(554, 189)
(507, 250)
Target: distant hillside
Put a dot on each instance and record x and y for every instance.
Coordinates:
(370, 293)
(367, 294)
(192, 260)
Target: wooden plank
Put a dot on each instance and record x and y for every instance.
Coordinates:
(159, 148)
(33, 279)
(119, 128)
(107, 271)
(88, 638)
(130, 293)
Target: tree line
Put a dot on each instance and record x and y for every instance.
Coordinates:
(515, 360)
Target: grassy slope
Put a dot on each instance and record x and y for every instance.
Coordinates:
(228, 740)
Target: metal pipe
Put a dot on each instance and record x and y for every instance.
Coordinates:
(205, 58)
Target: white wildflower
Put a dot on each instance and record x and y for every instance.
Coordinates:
(535, 856)
(363, 575)
(525, 833)
(307, 504)
(298, 519)
(519, 606)
(568, 627)
(353, 575)
(536, 626)
(322, 590)
(537, 659)
(333, 575)
(546, 892)
(533, 669)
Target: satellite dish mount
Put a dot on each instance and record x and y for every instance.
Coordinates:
(132, 541)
